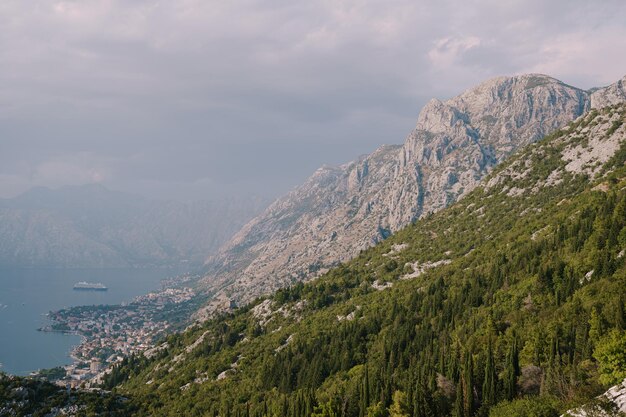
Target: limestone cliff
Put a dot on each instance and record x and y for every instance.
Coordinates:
(341, 210)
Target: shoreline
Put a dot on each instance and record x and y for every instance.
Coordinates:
(111, 332)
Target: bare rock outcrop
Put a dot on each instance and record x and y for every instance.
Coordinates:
(609, 96)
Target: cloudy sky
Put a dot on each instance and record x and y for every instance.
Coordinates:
(197, 98)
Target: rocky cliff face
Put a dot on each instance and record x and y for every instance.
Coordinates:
(342, 210)
(608, 96)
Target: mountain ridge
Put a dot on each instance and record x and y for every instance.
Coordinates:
(92, 226)
(342, 210)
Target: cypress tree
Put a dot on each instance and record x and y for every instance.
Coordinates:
(458, 401)
(285, 408)
(620, 317)
(512, 370)
(422, 402)
(364, 399)
(490, 381)
(468, 385)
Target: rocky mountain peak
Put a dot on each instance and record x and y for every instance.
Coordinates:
(611, 95)
(505, 112)
(340, 211)
(438, 117)
(495, 92)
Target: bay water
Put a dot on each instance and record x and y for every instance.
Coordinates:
(26, 295)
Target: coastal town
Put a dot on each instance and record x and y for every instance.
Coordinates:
(111, 332)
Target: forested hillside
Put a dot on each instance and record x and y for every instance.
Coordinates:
(510, 302)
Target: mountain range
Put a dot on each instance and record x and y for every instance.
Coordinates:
(340, 211)
(91, 226)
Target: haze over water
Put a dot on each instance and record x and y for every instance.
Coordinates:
(26, 295)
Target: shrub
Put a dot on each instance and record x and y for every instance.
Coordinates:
(611, 355)
(525, 407)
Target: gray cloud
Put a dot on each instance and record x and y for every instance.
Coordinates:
(196, 98)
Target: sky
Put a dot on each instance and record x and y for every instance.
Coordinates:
(197, 99)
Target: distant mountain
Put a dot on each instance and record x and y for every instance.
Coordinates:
(91, 226)
(340, 211)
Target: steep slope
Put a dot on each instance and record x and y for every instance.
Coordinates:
(90, 226)
(510, 302)
(341, 211)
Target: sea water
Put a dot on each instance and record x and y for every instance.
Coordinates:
(26, 295)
